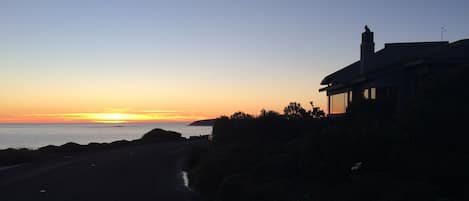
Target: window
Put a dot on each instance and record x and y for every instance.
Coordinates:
(369, 94)
(373, 93)
(338, 103)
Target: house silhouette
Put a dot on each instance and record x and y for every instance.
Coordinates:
(394, 73)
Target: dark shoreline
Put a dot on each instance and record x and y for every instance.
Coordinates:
(205, 122)
(14, 156)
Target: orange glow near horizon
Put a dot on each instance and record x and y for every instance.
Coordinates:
(61, 111)
(111, 117)
(57, 104)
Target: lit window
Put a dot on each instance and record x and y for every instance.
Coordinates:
(373, 93)
(338, 103)
(369, 93)
(365, 94)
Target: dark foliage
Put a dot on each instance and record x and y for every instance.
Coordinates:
(294, 111)
(241, 116)
(160, 135)
(16, 156)
(421, 153)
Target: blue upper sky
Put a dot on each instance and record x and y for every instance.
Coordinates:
(255, 53)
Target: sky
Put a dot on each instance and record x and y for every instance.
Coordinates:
(112, 61)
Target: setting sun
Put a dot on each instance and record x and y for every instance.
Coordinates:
(112, 117)
(118, 117)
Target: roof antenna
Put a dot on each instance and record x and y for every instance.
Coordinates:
(442, 31)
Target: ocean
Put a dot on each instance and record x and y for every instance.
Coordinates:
(37, 135)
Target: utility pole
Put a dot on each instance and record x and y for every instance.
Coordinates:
(442, 31)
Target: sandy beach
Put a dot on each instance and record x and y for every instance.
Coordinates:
(136, 172)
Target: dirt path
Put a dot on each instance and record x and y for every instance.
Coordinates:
(143, 172)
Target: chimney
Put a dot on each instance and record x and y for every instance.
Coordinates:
(367, 49)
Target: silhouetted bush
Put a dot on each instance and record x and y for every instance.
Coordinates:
(72, 147)
(252, 156)
(16, 156)
(49, 149)
(96, 146)
(241, 116)
(294, 110)
(371, 154)
(160, 135)
(232, 188)
(200, 137)
(119, 143)
(269, 114)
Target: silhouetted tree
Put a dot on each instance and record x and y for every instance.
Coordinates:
(269, 114)
(223, 117)
(241, 115)
(294, 110)
(316, 112)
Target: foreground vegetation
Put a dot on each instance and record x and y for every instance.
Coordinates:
(421, 154)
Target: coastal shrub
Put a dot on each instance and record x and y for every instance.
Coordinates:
(268, 153)
(232, 188)
(16, 156)
(420, 153)
(160, 135)
(71, 147)
(208, 174)
(49, 149)
(294, 110)
(195, 154)
(120, 143)
(281, 158)
(259, 151)
(96, 146)
(241, 116)
(269, 114)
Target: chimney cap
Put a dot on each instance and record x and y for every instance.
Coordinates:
(367, 29)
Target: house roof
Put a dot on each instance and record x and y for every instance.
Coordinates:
(455, 51)
(390, 54)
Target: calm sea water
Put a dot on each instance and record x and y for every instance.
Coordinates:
(38, 135)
